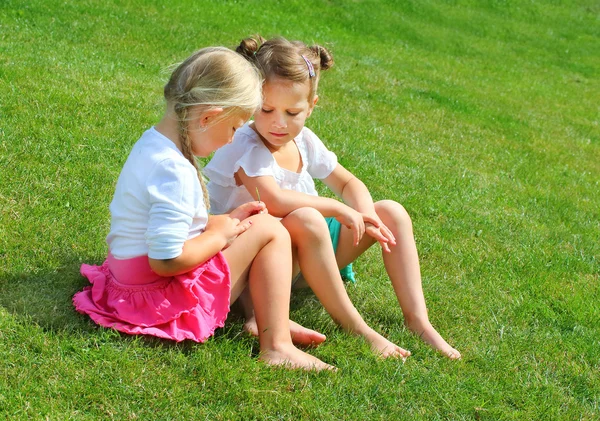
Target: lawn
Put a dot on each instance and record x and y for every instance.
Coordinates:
(481, 118)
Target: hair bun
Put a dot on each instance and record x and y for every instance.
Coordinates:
(324, 55)
(249, 46)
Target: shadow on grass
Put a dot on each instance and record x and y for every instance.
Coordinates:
(45, 299)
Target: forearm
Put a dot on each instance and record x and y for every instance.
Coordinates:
(195, 252)
(288, 201)
(356, 195)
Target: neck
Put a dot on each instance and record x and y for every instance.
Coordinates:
(168, 126)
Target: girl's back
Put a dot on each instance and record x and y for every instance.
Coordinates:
(155, 171)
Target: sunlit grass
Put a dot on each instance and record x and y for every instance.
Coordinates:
(481, 118)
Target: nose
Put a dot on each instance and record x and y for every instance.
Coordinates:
(279, 121)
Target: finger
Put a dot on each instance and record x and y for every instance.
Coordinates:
(261, 207)
(238, 213)
(389, 234)
(247, 209)
(385, 247)
(243, 227)
(385, 231)
(377, 235)
(371, 220)
(257, 208)
(356, 234)
(361, 231)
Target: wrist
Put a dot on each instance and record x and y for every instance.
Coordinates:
(215, 237)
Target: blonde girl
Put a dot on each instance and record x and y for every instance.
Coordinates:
(278, 156)
(172, 270)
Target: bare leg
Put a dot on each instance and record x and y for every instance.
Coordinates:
(316, 259)
(300, 334)
(263, 255)
(402, 266)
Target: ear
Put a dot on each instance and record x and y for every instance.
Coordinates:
(312, 106)
(206, 117)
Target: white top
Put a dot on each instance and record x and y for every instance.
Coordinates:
(158, 202)
(247, 151)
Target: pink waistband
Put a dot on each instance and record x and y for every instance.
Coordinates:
(134, 271)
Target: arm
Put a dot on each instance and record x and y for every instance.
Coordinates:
(174, 194)
(354, 192)
(195, 252)
(281, 202)
(351, 190)
(220, 232)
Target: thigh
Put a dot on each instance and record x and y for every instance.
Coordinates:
(241, 253)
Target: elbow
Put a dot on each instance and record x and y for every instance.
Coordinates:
(353, 182)
(276, 209)
(163, 268)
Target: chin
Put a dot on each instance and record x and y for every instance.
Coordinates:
(279, 141)
(201, 154)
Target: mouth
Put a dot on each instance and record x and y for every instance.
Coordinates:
(278, 135)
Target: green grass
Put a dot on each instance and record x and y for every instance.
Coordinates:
(481, 118)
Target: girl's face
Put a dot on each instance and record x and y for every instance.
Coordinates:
(209, 136)
(285, 109)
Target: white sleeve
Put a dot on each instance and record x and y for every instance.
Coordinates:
(173, 199)
(256, 161)
(241, 153)
(321, 161)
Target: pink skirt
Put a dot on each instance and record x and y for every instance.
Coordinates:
(128, 296)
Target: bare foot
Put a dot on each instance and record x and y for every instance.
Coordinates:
(431, 336)
(300, 334)
(384, 348)
(251, 327)
(291, 357)
(304, 336)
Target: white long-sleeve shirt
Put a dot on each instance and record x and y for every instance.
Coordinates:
(158, 202)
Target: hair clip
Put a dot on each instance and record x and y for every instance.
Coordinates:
(311, 69)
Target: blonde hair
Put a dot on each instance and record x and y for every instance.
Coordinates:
(213, 77)
(280, 58)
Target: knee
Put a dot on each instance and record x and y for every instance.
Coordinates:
(270, 227)
(304, 223)
(393, 213)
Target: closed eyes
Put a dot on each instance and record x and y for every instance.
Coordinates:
(290, 113)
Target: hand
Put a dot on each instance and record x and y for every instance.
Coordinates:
(380, 232)
(248, 209)
(227, 227)
(353, 220)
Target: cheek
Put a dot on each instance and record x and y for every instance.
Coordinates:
(260, 119)
(299, 120)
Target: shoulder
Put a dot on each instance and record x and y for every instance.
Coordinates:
(160, 157)
(153, 147)
(311, 139)
(246, 151)
(311, 142)
(153, 152)
(321, 161)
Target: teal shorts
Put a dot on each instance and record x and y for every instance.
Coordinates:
(334, 232)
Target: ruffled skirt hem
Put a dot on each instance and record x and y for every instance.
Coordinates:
(188, 306)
